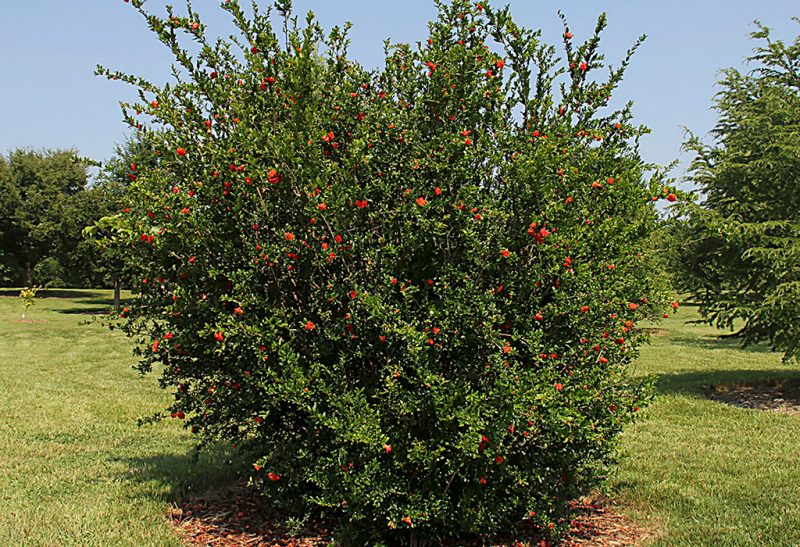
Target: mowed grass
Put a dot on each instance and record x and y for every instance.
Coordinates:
(703, 472)
(74, 467)
(76, 470)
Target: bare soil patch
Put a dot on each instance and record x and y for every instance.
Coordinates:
(778, 395)
(237, 517)
(29, 321)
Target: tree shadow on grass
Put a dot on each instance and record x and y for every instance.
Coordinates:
(696, 383)
(180, 477)
(58, 293)
(713, 342)
(210, 502)
(98, 305)
(97, 309)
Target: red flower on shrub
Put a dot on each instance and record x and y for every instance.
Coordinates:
(421, 201)
(309, 326)
(181, 152)
(219, 336)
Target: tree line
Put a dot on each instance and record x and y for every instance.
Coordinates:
(47, 200)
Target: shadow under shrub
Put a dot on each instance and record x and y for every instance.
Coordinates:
(412, 293)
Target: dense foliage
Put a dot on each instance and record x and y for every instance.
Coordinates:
(44, 206)
(411, 294)
(741, 254)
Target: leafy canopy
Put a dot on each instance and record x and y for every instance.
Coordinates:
(741, 257)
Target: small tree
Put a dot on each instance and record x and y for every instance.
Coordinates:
(741, 255)
(411, 294)
(28, 298)
(112, 186)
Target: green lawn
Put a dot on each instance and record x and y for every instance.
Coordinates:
(707, 473)
(75, 469)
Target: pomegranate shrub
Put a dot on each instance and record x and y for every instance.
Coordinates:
(411, 294)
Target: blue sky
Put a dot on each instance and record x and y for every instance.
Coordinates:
(49, 97)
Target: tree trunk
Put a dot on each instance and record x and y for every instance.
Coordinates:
(117, 289)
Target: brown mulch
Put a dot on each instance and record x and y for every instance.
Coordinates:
(597, 522)
(237, 518)
(779, 395)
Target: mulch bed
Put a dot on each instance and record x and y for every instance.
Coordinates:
(779, 395)
(597, 522)
(237, 518)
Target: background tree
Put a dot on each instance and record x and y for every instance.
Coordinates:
(110, 189)
(39, 190)
(10, 268)
(45, 203)
(741, 253)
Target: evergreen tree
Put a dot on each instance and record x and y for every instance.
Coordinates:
(741, 256)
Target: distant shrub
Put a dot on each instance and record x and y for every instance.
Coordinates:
(48, 273)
